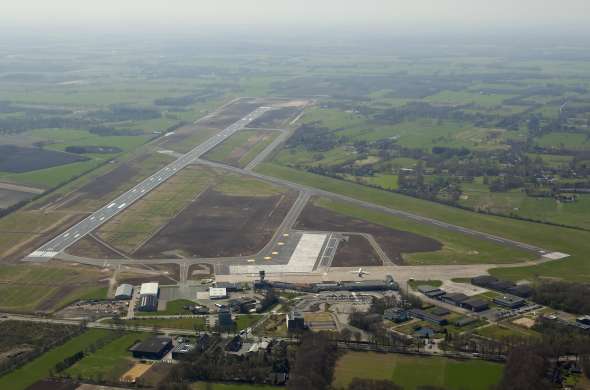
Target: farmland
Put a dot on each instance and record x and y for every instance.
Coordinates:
(408, 371)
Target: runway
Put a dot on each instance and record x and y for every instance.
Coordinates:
(101, 216)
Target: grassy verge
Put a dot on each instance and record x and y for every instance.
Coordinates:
(168, 323)
(457, 248)
(571, 241)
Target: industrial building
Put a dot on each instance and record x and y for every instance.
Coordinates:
(509, 301)
(154, 348)
(475, 304)
(124, 291)
(431, 292)
(454, 298)
(182, 351)
(224, 319)
(396, 315)
(217, 293)
(492, 283)
(425, 316)
(148, 297)
(295, 320)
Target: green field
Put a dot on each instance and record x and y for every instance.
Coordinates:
(574, 242)
(242, 147)
(457, 248)
(41, 366)
(412, 371)
(231, 386)
(26, 288)
(108, 362)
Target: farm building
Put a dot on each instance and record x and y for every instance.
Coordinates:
(154, 348)
(124, 291)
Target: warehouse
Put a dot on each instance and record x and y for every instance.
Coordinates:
(154, 348)
(454, 298)
(475, 304)
(124, 291)
(423, 315)
(148, 297)
(431, 292)
(509, 301)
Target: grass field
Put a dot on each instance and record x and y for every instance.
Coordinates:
(412, 371)
(175, 307)
(27, 288)
(128, 230)
(39, 368)
(108, 362)
(574, 242)
(230, 386)
(457, 248)
(242, 147)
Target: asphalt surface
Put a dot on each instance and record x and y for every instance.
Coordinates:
(101, 216)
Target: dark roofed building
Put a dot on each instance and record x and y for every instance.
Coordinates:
(431, 292)
(483, 281)
(509, 301)
(475, 304)
(464, 321)
(154, 348)
(396, 315)
(454, 298)
(521, 290)
(182, 351)
(502, 285)
(440, 311)
(423, 315)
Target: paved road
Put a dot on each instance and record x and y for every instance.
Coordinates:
(77, 232)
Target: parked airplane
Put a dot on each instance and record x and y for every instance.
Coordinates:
(360, 272)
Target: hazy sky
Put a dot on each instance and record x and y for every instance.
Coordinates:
(392, 14)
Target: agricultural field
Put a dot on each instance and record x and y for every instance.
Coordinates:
(230, 386)
(408, 371)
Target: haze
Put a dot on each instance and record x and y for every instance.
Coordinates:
(417, 15)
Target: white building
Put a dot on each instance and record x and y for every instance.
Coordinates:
(124, 291)
(149, 289)
(217, 293)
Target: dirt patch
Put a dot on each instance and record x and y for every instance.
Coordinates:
(136, 279)
(356, 251)
(275, 119)
(231, 114)
(90, 247)
(170, 270)
(219, 225)
(199, 271)
(156, 374)
(393, 242)
(10, 197)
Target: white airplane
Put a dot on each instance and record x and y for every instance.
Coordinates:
(360, 272)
